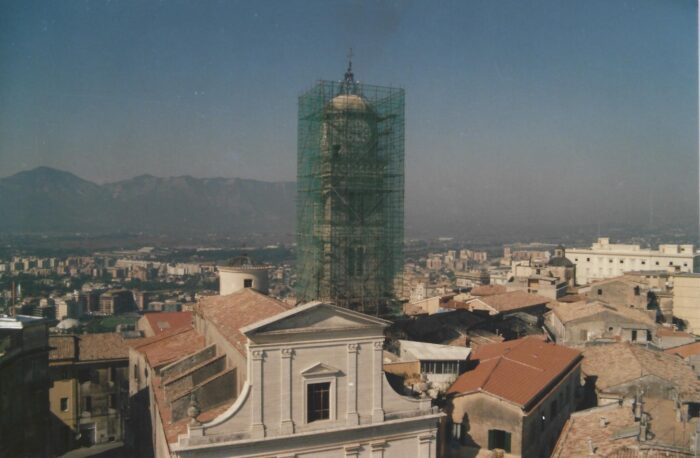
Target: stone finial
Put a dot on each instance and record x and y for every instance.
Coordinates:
(193, 410)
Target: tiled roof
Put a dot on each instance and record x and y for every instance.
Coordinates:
(169, 346)
(88, 347)
(61, 348)
(612, 431)
(234, 311)
(108, 345)
(578, 310)
(618, 363)
(586, 425)
(516, 370)
(487, 290)
(166, 321)
(685, 351)
(513, 300)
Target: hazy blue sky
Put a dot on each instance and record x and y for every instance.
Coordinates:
(535, 111)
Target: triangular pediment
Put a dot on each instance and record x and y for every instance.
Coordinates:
(320, 369)
(316, 317)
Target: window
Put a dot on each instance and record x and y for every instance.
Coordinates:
(644, 262)
(112, 401)
(636, 290)
(64, 404)
(657, 263)
(588, 259)
(622, 261)
(318, 401)
(634, 335)
(248, 283)
(610, 261)
(600, 292)
(499, 439)
(87, 404)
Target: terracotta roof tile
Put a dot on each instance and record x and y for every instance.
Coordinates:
(61, 347)
(234, 311)
(169, 346)
(88, 347)
(108, 345)
(488, 290)
(618, 363)
(513, 300)
(516, 370)
(578, 310)
(166, 321)
(685, 351)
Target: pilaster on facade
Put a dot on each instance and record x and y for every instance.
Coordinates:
(352, 417)
(425, 446)
(377, 382)
(286, 422)
(377, 449)
(353, 451)
(257, 423)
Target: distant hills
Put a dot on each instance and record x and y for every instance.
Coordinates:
(48, 200)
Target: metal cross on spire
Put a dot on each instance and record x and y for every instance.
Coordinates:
(349, 76)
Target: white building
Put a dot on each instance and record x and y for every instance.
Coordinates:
(287, 382)
(605, 260)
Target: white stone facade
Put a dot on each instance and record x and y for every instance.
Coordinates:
(607, 260)
(316, 344)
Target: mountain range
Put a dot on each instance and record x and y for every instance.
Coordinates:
(48, 200)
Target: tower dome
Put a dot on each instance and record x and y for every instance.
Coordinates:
(240, 273)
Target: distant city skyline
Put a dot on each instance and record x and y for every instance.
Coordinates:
(535, 112)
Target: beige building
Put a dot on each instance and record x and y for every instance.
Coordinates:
(88, 389)
(258, 378)
(516, 399)
(579, 323)
(604, 259)
(686, 300)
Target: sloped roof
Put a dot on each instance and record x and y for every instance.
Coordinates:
(234, 311)
(685, 351)
(517, 370)
(488, 290)
(568, 312)
(169, 346)
(166, 321)
(618, 363)
(109, 345)
(88, 347)
(61, 348)
(513, 300)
